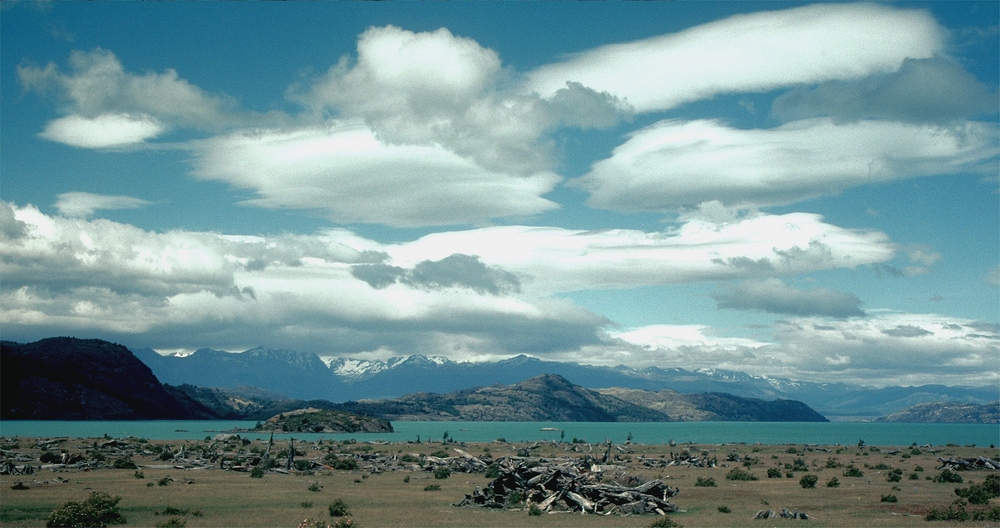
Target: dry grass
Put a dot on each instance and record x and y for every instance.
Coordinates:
(227, 498)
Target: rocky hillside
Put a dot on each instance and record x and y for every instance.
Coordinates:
(313, 420)
(552, 398)
(88, 379)
(947, 412)
(63, 378)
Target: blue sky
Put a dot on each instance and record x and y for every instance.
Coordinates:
(797, 190)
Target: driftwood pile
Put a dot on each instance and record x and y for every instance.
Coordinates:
(785, 514)
(969, 464)
(683, 460)
(569, 486)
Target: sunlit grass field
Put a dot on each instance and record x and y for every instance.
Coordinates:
(396, 495)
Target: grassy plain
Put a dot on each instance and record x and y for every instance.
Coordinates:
(396, 495)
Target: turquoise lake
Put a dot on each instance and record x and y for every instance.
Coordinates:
(843, 433)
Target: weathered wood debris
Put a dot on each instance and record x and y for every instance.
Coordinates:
(680, 459)
(785, 514)
(569, 486)
(969, 464)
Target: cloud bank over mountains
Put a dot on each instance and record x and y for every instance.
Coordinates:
(422, 130)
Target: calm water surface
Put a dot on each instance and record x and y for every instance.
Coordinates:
(844, 433)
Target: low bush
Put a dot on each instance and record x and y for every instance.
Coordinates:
(948, 476)
(49, 457)
(739, 474)
(442, 473)
(808, 481)
(665, 522)
(774, 473)
(100, 509)
(432, 487)
(173, 522)
(706, 482)
(852, 471)
(125, 463)
(833, 483)
(725, 509)
(981, 493)
(889, 498)
(338, 508)
(257, 472)
(345, 464)
(534, 510)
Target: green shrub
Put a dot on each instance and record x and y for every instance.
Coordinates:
(705, 482)
(139, 474)
(833, 483)
(725, 509)
(100, 509)
(164, 481)
(955, 512)
(442, 472)
(125, 463)
(345, 464)
(257, 472)
(49, 457)
(338, 508)
(534, 510)
(493, 471)
(173, 522)
(408, 458)
(808, 481)
(948, 476)
(774, 473)
(739, 474)
(664, 522)
(981, 493)
(306, 504)
(20, 486)
(315, 487)
(852, 471)
(889, 498)
(832, 463)
(432, 487)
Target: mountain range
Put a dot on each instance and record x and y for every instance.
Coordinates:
(552, 398)
(79, 379)
(306, 376)
(947, 412)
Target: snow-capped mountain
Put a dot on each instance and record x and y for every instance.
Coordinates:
(306, 376)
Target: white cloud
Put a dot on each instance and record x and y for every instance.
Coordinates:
(103, 131)
(934, 90)
(84, 204)
(183, 289)
(750, 53)
(892, 348)
(435, 88)
(885, 348)
(774, 296)
(110, 107)
(558, 260)
(673, 164)
(349, 175)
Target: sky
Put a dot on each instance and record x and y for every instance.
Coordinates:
(795, 190)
